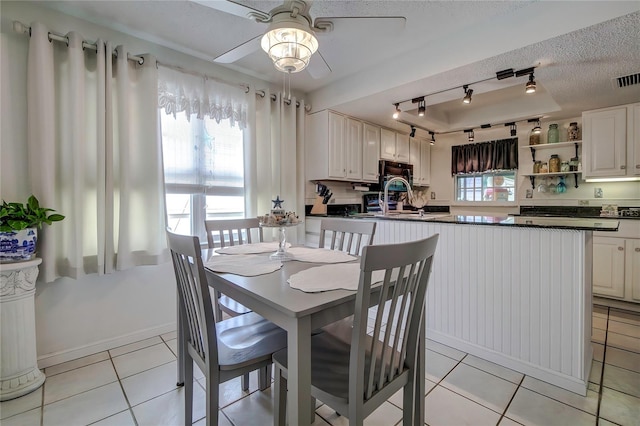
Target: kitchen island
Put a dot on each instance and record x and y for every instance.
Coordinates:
(515, 291)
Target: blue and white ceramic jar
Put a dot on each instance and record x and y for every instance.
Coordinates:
(16, 246)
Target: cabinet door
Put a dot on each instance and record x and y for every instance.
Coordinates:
(337, 168)
(370, 152)
(425, 163)
(608, 266)
(604, 142)
(633, 268)
(402, 148)
(415, 159)
(387, 144)
(634, 143)
(353, 149)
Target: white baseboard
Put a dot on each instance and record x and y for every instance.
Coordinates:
(47, 360)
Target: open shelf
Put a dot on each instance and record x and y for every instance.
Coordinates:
(534, 148)
(532, 177)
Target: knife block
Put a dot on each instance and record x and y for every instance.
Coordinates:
(318, 207)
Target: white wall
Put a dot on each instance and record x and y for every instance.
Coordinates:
(78, 317)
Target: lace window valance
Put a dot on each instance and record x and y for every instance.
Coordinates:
(201, 97)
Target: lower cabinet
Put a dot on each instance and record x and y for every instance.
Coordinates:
(616, 263)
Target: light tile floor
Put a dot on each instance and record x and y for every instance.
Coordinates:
(135, 385)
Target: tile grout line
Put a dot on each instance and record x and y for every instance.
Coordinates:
(604, 359)
(126, 398)
(504, 413)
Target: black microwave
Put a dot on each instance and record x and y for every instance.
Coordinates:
(390, 169)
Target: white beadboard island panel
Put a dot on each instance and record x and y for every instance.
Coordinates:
(513, 295)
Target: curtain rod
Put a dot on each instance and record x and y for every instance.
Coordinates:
(245, 86)
(21, 28)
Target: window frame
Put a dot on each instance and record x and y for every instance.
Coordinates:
(492, 203)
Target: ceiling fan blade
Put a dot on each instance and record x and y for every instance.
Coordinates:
(239, 52)
(318, 67)
(355, 24)
(233, 8)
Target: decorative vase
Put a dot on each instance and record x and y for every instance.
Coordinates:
(17, 246)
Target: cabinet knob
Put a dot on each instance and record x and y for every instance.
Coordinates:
(637, 249)
(623, 167)
(637, 166)
(620, 248)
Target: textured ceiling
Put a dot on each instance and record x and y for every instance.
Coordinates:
(578, 47)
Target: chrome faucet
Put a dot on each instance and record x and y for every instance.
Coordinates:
(384, 203)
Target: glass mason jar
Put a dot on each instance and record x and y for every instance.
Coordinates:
(534, 138)
(573, 132)
(564, 166)
(536, 166)
(573, 164)
(553, 135)
(554, 164)
(544, 168)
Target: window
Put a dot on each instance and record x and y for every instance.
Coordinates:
(204, 172)
(484, 187)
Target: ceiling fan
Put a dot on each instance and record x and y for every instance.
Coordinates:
(290, 39)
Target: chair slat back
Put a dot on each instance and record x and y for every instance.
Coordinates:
(196, 308)
(392, 348)
(231, 231)
(347, 235)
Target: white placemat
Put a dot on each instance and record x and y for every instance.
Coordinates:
(247, 265)
(254, 248)
(330, 277)
(322, 255)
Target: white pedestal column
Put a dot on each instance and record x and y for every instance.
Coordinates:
(19, 373)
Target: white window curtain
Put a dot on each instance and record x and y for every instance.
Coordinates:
(274, 156)
(94, 156)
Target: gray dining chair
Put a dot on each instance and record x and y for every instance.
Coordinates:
(354, 372)
(222, 350)
(348, 235)
(231, 232)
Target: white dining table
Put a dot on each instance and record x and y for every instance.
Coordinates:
(297, 312)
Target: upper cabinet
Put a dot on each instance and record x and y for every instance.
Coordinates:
(420, 157)
(611, 142)
(338, 147)
(370, 152)
(394, 146)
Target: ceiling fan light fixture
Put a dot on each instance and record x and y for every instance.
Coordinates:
(289, 42)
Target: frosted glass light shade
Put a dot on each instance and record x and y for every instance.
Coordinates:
(289, 46)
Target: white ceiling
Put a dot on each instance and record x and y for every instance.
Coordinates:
(577, 47)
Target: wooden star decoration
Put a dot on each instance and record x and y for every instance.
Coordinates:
(277, 203)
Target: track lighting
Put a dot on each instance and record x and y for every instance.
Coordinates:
(433, 138)
(513, 129)
(531, 85)
(536, 129)
(470, 134)
(467, 94)
(397, 112)
(413, 132)
(422, 108)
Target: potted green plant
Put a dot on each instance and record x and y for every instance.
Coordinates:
(19, 225)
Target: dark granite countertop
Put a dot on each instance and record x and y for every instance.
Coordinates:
(624, 213)
(580, 224)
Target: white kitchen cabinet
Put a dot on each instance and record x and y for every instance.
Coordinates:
(333, 147)
(353, 149)
(370, 152)
(611, 143)
(608, 266)
(616, 262)
(394, 146)
(420, 157)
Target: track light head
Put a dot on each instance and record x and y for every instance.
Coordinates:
(530, 87)
(422, 108)
(413, 132)
(470, 134)
(512, 128)
(433, 138)
(397, 112)
(467, 94)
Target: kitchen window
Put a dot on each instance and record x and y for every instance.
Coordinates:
(204, 172)
(486, 187)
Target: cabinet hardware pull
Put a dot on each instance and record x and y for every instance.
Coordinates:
(623, 167)
(638, 249)
(620, 248)
(637, 166)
